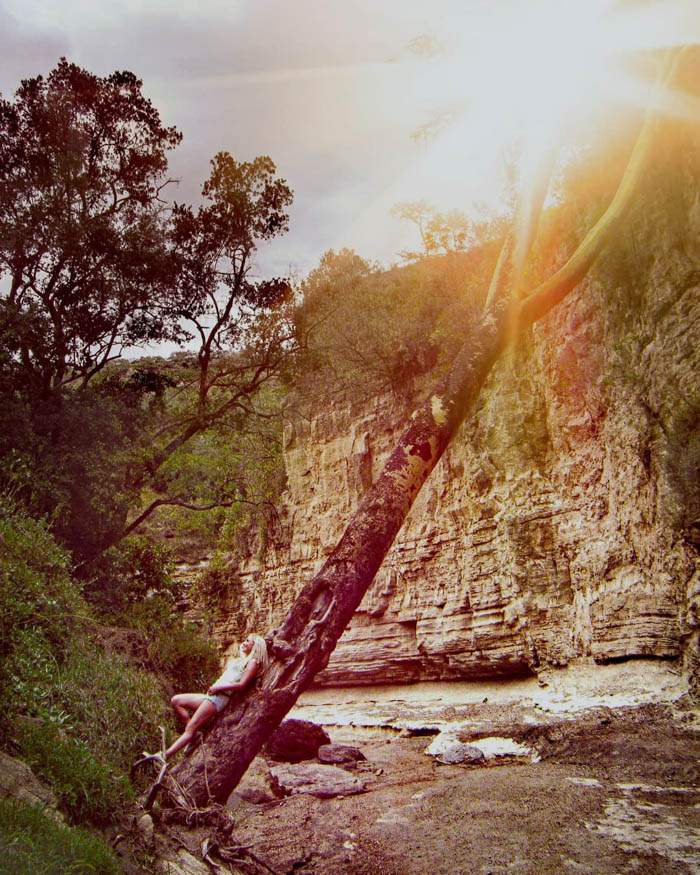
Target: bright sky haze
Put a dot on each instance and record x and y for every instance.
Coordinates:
(333, 89)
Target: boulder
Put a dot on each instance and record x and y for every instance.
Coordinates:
(461, 754)
(340, 754)
(322, 781)
(18, 781)
(448, 749)
(296, 740)
(181, 862)
(256, 786)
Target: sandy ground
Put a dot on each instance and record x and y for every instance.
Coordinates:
(610, 784)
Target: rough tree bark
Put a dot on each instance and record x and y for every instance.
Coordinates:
(302, 645)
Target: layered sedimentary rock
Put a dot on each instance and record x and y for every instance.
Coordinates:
(563, 521)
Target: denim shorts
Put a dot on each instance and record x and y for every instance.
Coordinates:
(219, 702)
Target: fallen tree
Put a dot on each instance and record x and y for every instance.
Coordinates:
(302, 645)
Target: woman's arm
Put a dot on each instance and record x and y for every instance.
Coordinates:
(246, 678)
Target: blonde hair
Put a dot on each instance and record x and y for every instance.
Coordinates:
(258, 653)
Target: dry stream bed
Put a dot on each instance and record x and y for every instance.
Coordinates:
(592, 769)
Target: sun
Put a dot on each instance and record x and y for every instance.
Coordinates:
(541, 62)
(538, 76)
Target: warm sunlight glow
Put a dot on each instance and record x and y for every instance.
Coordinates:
(483, 80)
(529, 79)
(549, 62)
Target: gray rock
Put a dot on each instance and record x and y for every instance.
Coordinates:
(256, 786)
(144, 827)
(340, 754)
(18, 781)
(322, 781)
(296, 740)
(181, 863)
(461, 754)
(448, 749)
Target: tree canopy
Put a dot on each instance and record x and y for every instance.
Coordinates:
(95, 260)
(83, 235)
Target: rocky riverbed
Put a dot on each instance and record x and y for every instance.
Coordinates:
(594, 769)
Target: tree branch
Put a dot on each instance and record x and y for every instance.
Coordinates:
(551, 292)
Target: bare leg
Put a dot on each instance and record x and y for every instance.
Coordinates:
(185, 704)
(202, 715)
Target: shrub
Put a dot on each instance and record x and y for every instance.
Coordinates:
(373, 330)
(143, 597)
(90, 712)
(111, 706)
(36, 592)
(33, 843)
(40, 610)
(28, 677)
(134, 570)
(180, 652)
(96, 700)
(86, 788)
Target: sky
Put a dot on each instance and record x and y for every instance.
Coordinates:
(332, 91)
(308, 82)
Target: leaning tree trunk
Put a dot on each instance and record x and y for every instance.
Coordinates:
(302, 645)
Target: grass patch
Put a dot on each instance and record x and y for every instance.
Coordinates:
(31, 843)
(111, 706)
(87, 789)
(77, 715)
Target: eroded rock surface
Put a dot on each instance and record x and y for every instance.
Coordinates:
(562, 522)
(18, 781)
(316, 779)
(606, 797)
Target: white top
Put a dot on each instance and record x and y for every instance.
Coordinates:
(231, 674)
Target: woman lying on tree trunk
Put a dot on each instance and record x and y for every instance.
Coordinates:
(197, 709)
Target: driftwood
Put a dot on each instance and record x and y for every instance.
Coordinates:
(155, 787)
(220, 842)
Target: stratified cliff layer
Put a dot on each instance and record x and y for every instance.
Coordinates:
(564, 520)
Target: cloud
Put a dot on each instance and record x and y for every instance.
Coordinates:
(25, 50)
(313, 84)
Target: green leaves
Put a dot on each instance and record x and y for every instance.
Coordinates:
(82, 239)
(32, 843)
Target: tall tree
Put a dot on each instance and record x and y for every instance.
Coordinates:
(302, 645)
(242, 328)
(83, 243)
(94, 259)
(440, 232)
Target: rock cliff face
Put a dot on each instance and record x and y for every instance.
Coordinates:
(564, 520)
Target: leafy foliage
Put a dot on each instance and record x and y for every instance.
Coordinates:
(453, 230)
(76, 713)
(439, 232)
(71, 461)
(178, 651)
(94, 260)
(82, 163)
(111, 706)
(86, 788)
(128, 575)
(37, 596)
(374, 330)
